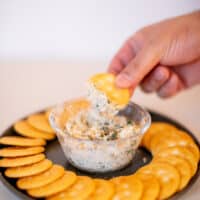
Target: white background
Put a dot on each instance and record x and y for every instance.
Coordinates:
(49, 48)
(89, 29)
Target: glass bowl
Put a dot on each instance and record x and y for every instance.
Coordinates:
(100, 155)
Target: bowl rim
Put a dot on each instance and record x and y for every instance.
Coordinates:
(61, 132)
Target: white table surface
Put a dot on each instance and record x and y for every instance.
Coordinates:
(28, 87)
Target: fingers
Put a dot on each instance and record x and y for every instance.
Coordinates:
(155, 79)
(123, 57)
(163, 81)
(145, 60)
(183, 76)
(172, 80)
(171, 87)
(189, 73)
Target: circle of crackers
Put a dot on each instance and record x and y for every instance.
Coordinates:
(175, 155)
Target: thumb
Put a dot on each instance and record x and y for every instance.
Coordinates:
(146, 59)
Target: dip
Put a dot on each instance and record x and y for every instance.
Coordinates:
(100, 120)
(93, 137)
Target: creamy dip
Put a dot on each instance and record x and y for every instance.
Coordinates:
(100, 121)
(93, 137)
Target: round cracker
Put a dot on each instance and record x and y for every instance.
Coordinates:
(20, 151)
(104, 190)
(22, 141)
(57, 186)
(42, 179)
(81, 190)
(155, 128)
(28, 170)
(25, 129)
(151, 186)
(194, 149)
(127, 188)
(181, 152)
(171, 138)
(21, 161)
(160, 141)
(165, 141)
(105, 83)
(167, 175)
(181, 165)
(40, 122)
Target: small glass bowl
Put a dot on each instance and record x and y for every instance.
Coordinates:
(100, 155)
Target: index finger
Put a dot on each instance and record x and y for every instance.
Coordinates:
(125, 54)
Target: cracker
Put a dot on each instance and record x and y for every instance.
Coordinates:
(181, 152)
(57, 186)
(22, 141)
(28, 170)
(105, 82)
(40, 122)
(104, 190)
(21, 161)
(81, 190)
(151, 186)
(172, 138)
(25, 129)
(194, 149)
(42, 179)
(127, 187)
(167, 175)
(20, 151)
(181, 165)
(155, 128)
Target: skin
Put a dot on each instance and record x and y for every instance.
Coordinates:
(162, 58)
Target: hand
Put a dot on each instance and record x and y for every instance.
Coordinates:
(162, 58)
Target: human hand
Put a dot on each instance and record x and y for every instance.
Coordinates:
(162, 58)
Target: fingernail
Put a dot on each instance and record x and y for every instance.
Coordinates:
(147, 88)
(160, 74)
(123, 80)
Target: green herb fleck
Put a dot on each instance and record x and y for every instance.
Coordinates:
(106, 130)
(129, 122)
(129, 151)
(113, 136)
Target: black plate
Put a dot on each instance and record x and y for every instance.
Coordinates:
(142, 157)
